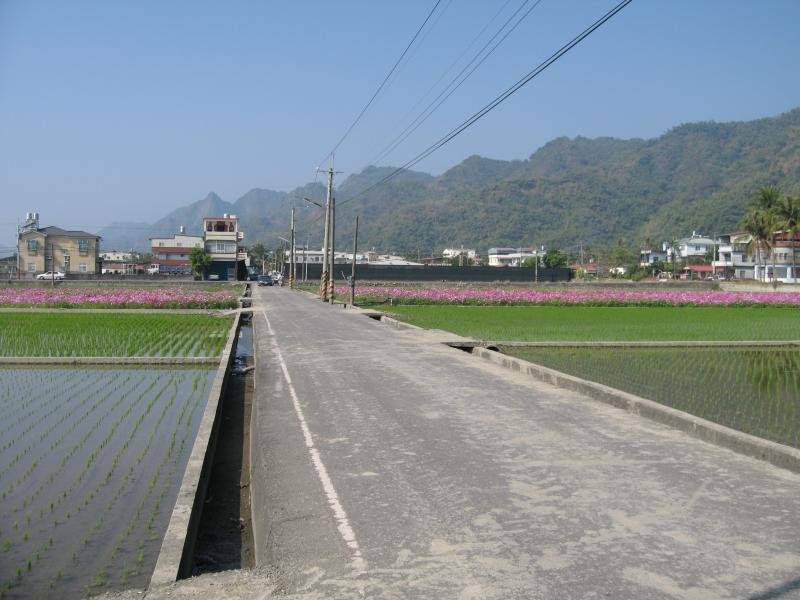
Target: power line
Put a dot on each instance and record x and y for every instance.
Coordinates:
(380, 87)
(498, 100)
(445, 94)
(455, 62)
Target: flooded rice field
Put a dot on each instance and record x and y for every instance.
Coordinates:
(91, 460)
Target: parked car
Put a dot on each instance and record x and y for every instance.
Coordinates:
(264, 280)
(153, 270)
(50, 275)
(213, 277)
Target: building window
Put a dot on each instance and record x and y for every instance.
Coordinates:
(83, 246)
(32, 267)
(160, 243)
(82, 268)
(33, 246)
(220, 247)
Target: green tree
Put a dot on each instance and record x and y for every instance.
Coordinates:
(759, 224)
(199, 259)
(767, 198)
(258, 251)
(555, 258)
(787, 215)
(622, 256)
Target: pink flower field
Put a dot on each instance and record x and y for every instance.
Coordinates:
(117, 298)
(599, 297)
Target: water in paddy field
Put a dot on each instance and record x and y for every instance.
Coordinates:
(753, 389)
(91, 459)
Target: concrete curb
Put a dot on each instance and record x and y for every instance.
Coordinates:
(109, 360)
(663, 344)
(175, 557)
(397, 324)
(719, 435)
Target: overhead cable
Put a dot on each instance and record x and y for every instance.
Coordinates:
(455, 83)
(380, 87)
(498, 100)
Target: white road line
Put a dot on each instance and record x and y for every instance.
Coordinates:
(343, 524)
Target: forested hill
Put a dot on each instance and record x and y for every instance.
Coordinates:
(696, 176)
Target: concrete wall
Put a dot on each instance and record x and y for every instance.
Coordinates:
(368, 272)
(177, 548)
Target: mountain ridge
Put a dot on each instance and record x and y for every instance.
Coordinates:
(696, 176)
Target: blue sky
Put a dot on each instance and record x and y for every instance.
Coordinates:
(121, 111)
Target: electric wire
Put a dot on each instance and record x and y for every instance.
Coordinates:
(445, 94)
(380, 87)
(452, 65)
(497, 100)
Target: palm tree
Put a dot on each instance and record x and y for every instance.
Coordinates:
(760, 225)
(767, 198)
(787, 215)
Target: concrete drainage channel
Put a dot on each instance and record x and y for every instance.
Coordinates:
(209, 529)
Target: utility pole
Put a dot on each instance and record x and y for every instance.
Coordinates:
(323, 285)
(353, 271)
(291, 254)
(305, 259)
(19, 239)
(332, 242)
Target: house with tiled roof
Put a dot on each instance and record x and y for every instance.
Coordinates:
(42, 249)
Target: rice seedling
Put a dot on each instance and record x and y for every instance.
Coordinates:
(754, 390)
(113, 334)
(83, 462)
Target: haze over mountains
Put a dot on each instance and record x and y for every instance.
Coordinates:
(695, 177)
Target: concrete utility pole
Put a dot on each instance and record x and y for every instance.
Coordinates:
(332, 243)
(291, 254)
(353, 270)
(305, 259)
(323, 284)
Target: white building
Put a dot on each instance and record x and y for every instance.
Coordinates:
(222, 240)
(510, 257)
(310, 256)
(732, 258)
(694, 247)
(172, 254)
(451, 253)
(116, 256)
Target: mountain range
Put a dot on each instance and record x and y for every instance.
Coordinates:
(695, 177)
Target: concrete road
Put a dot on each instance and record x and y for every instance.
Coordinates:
(386, 465)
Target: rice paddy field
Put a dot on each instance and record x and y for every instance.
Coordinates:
(91, 459)
(147, 334)
(754, 390)
(607, 323)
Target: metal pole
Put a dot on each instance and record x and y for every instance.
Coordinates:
(291, 255)
(331, 270)
(353, 270)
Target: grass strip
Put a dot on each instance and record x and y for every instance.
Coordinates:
(591, 323)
